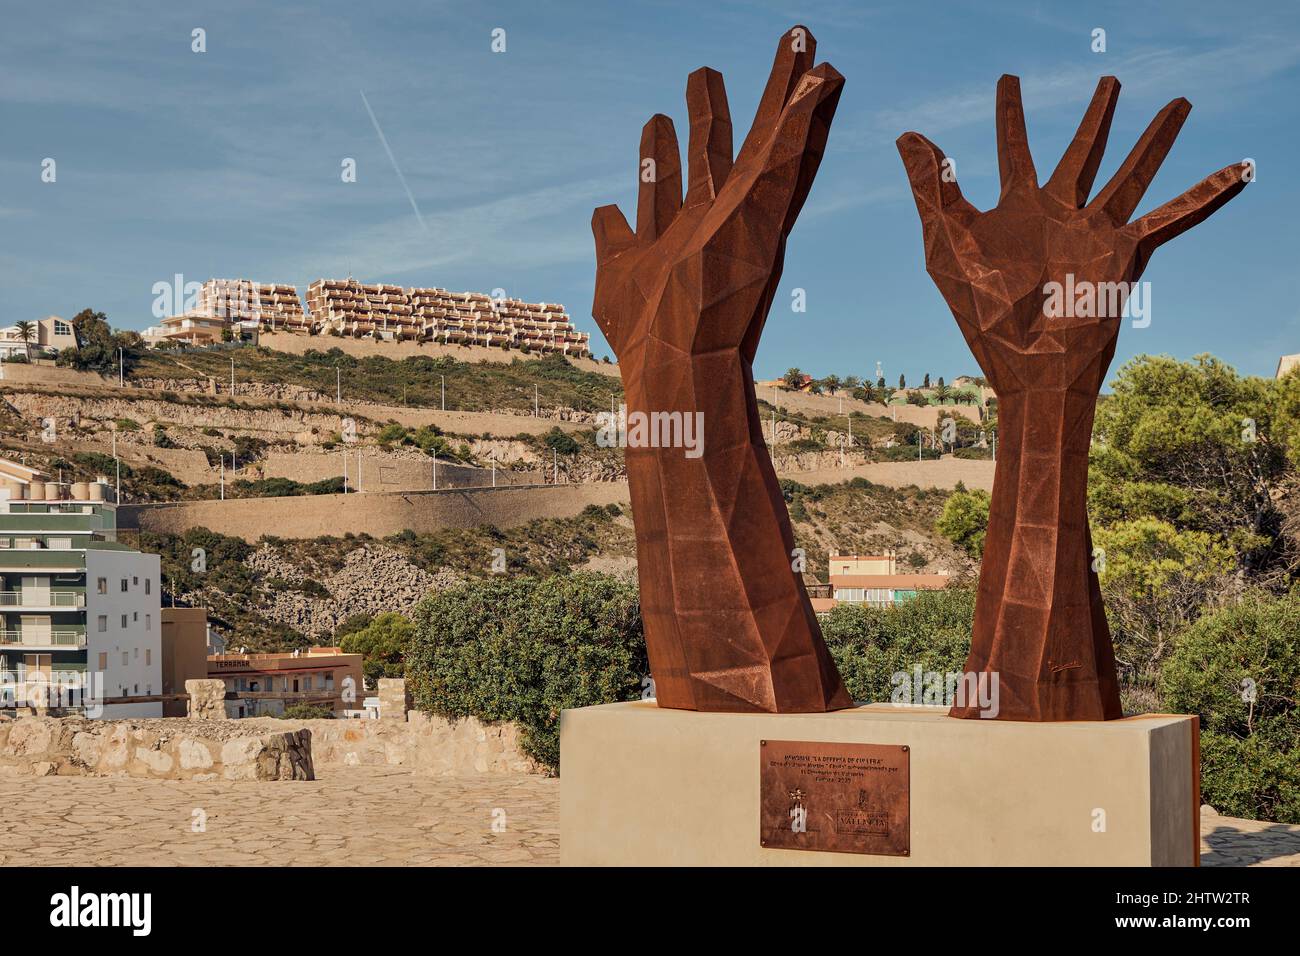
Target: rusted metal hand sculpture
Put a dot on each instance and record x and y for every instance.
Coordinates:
(1039, 621)
(682, 302)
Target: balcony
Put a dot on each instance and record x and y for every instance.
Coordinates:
(45, 637)
(32, 599)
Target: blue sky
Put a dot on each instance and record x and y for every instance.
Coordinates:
(227, 163)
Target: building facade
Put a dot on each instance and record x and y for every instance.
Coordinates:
(870, 579)
(319, 675)
(45, 336)
(80, 613)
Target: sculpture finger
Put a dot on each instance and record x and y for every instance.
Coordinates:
(1075, 173)
(708, 149)
(660, 195)
(1191, 208)
(1125, 190)
(801, 136)
(1015, 162)
(795, 54)
(612, 233)
(934, 188)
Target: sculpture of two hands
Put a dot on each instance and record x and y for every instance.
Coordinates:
(683, 300)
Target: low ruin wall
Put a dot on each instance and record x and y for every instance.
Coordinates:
(161, 748)
(423, 743)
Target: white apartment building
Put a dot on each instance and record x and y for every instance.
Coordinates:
(80, 614)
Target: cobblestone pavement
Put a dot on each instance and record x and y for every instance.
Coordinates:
(363, 816)
(350, 815)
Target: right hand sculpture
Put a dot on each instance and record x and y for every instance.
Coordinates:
(1039, 621)
(682, 301)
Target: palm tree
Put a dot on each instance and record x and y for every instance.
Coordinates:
(26, 330)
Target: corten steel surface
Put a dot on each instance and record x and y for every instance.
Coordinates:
(682, 301)
(846, 798)
(1039, 621)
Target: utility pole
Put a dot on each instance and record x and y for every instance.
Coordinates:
(555, 466)
(223, 476)
(232, 375)
(121, 369)
(345, 471)
(435, 471)
(338, 385)
(494, 469)
(117, 491)
(444, 391)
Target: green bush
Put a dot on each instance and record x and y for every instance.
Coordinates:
(306, 712)
(383, 642)
(522, 649)
(870, 645)
(965, 520)
(1239, 669)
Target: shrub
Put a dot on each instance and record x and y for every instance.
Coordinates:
(560, 441)
(524, 648)
(383, 642)
(965, 520)
(306, 712)
(870, 644)
(1239, 670)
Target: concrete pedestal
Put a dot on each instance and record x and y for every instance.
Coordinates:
(641, 785)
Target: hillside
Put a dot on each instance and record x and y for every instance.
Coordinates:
(283, 593)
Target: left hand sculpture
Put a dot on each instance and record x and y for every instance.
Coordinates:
(1039, 621)
(728, 623)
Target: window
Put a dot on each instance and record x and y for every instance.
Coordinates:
(135, 581)
(126, 658)
(147, 583)
(135, 616)
(137, 653)
(148, 656)
(62, 328)
(148, 622)
(124, 583)
(103, 659)
(124, 622)
(102, 623)
(102, 585)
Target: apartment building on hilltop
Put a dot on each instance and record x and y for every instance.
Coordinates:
(80, 613)
(238, 309)
(234, 308)
(391, 312)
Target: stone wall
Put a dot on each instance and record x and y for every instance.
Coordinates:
(207, 699)
(296, 344)
(426, 744)
(160, 748)
(377, 513)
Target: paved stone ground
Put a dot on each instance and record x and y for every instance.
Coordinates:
(1228, 841)
(363, 816)
(350, 815)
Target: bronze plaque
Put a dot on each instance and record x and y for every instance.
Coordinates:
(846, 798)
